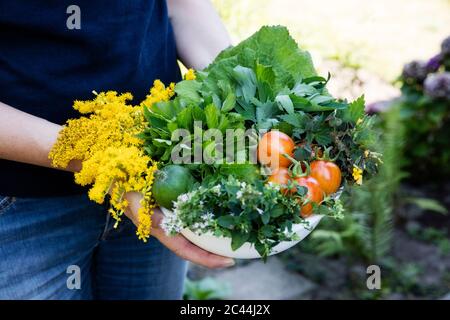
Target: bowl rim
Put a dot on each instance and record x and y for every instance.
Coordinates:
(295, 226)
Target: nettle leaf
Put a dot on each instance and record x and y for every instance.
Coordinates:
(238, 238)
(198, 113)
(265, 111)
(264, 74)
(247, 80)
(302, 89)
(188, 90)
(299, 102)
(184, 119)
(298, 119)
(246, 109)
(321, 99)
(354, 111)
(285, 102)
(229, 102)
(323, 136)
(166, 109)
(212, 116)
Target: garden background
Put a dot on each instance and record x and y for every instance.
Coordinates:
(399, 221)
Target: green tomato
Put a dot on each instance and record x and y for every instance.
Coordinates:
(170, 182)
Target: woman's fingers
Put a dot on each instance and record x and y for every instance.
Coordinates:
(178, 244)
(187, 250)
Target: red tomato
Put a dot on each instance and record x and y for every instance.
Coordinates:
(315, 194)
(271, 148)
(327, 174)
(281, 177)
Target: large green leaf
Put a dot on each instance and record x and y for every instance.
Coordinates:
(270, 46)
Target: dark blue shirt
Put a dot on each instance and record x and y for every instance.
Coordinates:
(122, 45)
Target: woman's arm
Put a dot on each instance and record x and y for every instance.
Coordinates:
(199, 33)
(26, 138)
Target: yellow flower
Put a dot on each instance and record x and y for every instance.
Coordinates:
(366, 153)
(357, 175)
(360, 120)
(190, 75)
(159, 92)
(114, 162)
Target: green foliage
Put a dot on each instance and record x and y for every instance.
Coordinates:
(427, 147)
(265, 82)
(254, 213)
(365, 231)
(431, 235)
(206, 289)
(427, 204)
(425, 111)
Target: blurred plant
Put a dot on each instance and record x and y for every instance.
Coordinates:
(427, 204)
(206, 289)
(431, 235)
(365, 232)
(425, 111)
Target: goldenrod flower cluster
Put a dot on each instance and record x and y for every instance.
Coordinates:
(357, 175)
(105, 140)
(190, 75)
(159, 92)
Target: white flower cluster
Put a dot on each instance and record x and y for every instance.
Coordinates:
(247, 192)
(173, 222)
(202, 226)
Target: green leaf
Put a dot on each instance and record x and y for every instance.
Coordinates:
(277, 211)
(354, 111)
(264, 74)
(188, 90)
(229, 102)
(302, 89)
(298, 119)
(227, 221)
(212, 116)
(323, 136)
(265, 217)
(270, 46)
(428, 204)
(247, 79)
(184, 119)
(321, 99)
(238, 238)
(285, 103)
(265, 111)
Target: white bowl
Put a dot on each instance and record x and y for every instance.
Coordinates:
(222, 245)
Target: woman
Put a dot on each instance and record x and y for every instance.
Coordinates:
(54, 242)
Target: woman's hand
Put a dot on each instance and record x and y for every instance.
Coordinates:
(177, 244)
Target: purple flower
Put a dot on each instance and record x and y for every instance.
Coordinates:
(437, 85)
(378, 106)
(434, 63)
(415, 71)
(445, 47)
